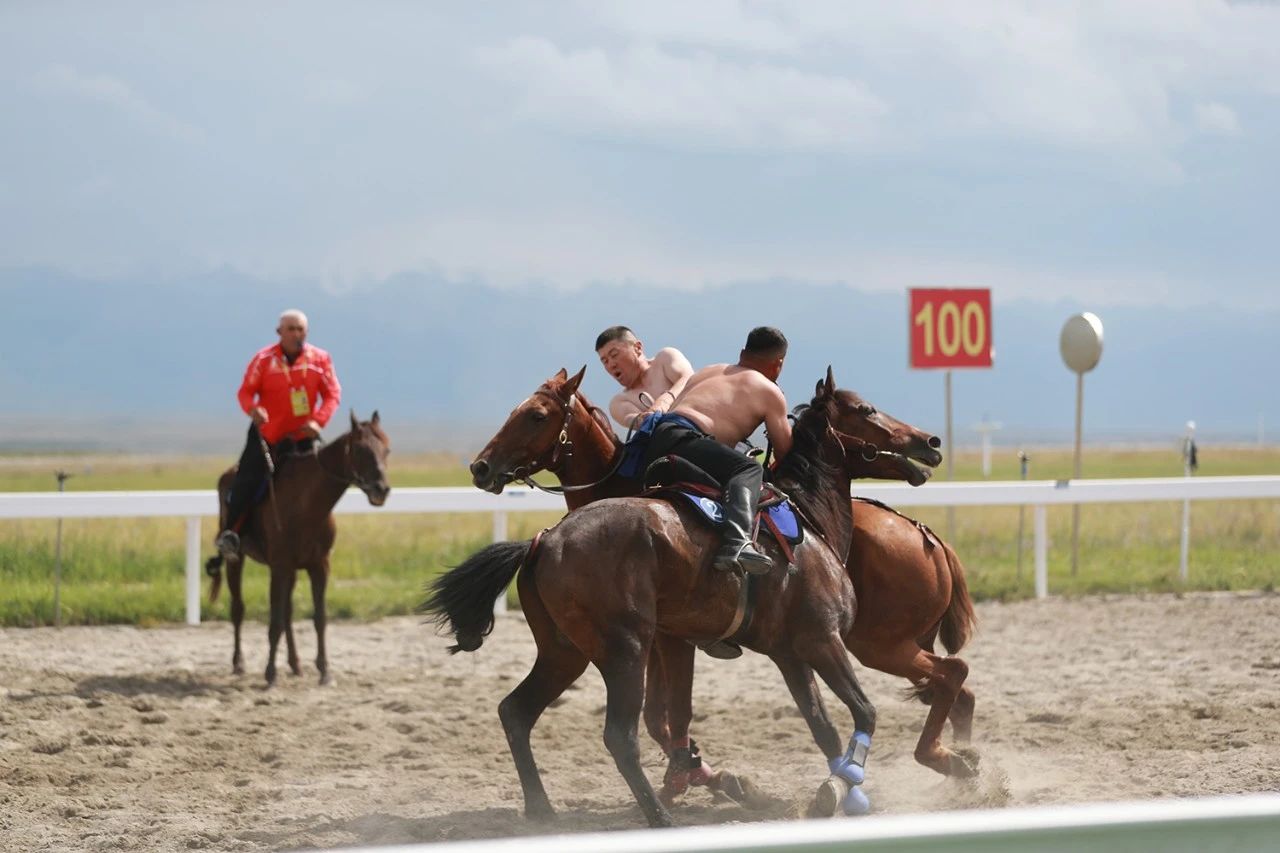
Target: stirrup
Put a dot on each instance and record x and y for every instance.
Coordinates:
(228, 544)
(746, 559)
(722, 649)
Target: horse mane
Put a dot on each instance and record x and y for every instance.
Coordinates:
(804, 473)
(597, 414)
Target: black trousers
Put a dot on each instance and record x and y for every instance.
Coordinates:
(720, 461)
(250, 474)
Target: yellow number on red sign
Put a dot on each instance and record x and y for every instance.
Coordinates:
(957, 328)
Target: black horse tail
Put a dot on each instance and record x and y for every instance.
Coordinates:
(462, 598)
(958, 621)
(213, 568)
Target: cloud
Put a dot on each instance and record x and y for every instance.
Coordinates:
(118, 95)
(688, 101)
(1217, 119)
(576, 249)
(857, 77)
(332, 91)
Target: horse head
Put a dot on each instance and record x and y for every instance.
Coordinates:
(367, 450)
(897, 450)
(533, 438)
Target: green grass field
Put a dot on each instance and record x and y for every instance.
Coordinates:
(132, 570)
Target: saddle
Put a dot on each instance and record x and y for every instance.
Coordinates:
(676, 475)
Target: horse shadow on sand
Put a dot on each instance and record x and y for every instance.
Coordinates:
(381, 828)
(174, 685)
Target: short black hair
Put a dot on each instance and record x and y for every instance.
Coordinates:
(766, 342)
(611, 334)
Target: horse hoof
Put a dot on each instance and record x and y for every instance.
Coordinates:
(830, 794)
(703, 775)
(327, 680)
(237, 669)
(856, 802)
(729, 785)
(964, 763)
(542, 812)
(672, 787)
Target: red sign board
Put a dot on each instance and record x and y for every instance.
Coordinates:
(950, 328)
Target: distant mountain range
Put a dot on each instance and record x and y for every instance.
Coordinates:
(156, 363)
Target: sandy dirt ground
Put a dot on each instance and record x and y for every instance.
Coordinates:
(116, 738)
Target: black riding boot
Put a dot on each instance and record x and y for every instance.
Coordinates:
(736, 550)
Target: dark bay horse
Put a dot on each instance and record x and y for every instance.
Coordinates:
(910, 584)
(299, 532)
(614, 574)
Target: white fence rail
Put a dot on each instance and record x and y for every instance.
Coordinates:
(194, 505)
(1241, 824)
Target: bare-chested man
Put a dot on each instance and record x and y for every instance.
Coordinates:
(721, 405)
(649, 384)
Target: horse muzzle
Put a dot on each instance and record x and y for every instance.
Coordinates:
(484, 476)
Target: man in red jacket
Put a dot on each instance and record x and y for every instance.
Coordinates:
(289, 391)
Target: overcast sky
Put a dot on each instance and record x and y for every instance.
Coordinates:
(1110, 151)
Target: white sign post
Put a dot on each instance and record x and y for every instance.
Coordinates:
(1081, 347)
(1189, 463)
(985, 429)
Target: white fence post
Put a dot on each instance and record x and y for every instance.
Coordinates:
(500, 535)
(1042, 551)
(193, 570)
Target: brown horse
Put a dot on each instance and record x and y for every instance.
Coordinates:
(610, 576)
(298, 533)
(910, 585)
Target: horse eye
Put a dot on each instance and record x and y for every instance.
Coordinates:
(538, 416)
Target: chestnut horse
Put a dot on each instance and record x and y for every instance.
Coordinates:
(910, 585)
(299, 532)
(599, 586)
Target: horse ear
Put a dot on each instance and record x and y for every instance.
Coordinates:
(355, 424)
(571, 387)
(831, 382)
(562, 375)
(375, 420)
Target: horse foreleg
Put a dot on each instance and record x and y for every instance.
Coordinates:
(669, 684)
(281, 589)
(622, 666)
(235, 572)
(291, 648)
(319, 576)
(843, 788)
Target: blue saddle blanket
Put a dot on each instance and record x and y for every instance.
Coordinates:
(783, 515)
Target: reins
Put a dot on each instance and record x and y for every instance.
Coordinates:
(562, 450)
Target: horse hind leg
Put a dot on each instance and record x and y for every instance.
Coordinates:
(942, 680)
(557, 666)
(962, 715)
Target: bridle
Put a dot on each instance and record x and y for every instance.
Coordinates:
(562, 450)
(350, 476)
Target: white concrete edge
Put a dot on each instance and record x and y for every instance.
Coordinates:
(1191, 814)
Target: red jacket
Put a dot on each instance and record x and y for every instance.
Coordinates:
(291, 394)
